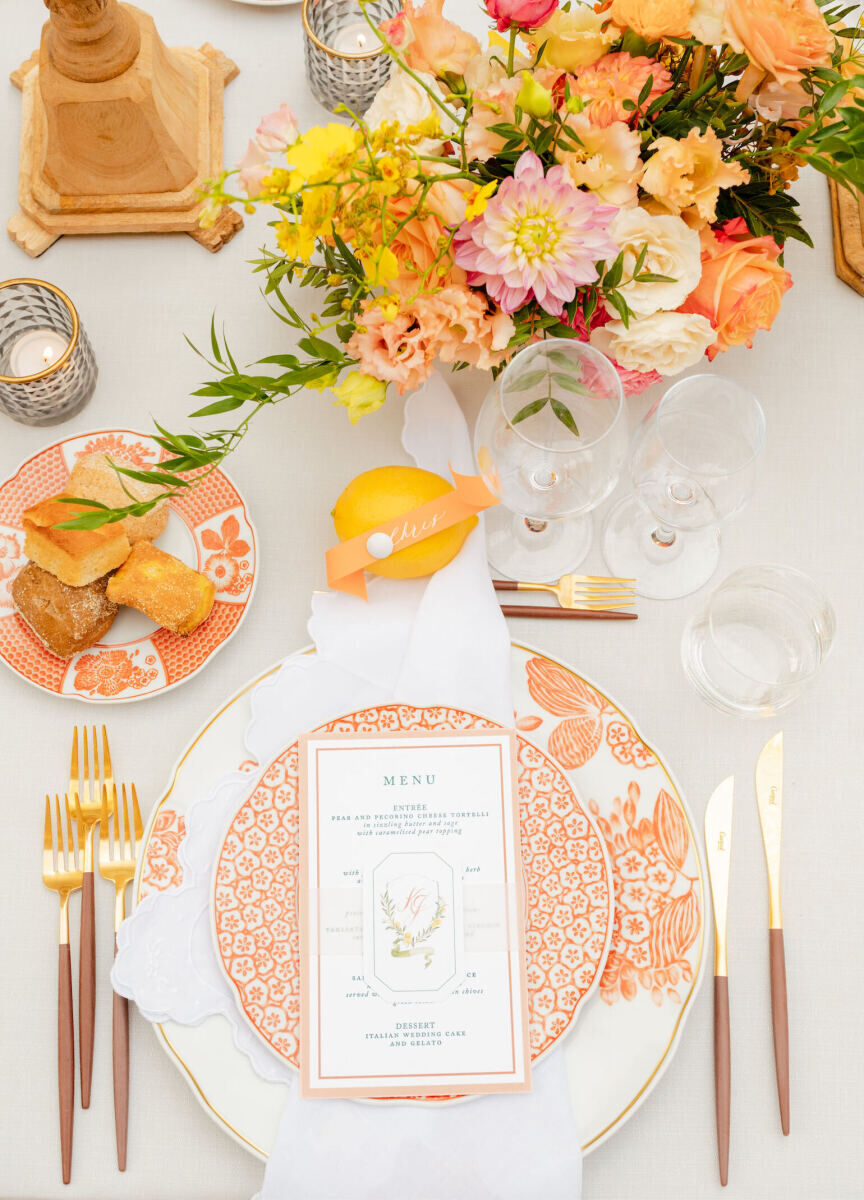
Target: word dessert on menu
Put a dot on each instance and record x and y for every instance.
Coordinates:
(412, 919)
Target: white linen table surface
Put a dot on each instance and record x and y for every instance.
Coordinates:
(136, 297)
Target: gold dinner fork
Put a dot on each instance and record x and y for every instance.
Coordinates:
(61, 872)
(586, 592)
(85, 797)
(117, 857)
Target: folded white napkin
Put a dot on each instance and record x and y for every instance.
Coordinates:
(441, 641)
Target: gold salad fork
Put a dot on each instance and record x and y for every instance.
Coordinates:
(585, 592)
(117, 856)
(61, 872)
(85, 796)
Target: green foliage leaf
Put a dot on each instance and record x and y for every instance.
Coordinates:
(530, 410)
(565, 416)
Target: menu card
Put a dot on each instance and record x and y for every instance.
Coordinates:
(412, 922)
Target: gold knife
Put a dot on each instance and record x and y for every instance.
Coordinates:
(718, 846)
(769, 797)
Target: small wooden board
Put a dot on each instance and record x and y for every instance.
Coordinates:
(847, 213)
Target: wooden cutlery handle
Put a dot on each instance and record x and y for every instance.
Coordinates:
(120, 1049)
(575, 614)
(87, 987)
(722, 1071)
(505, 585)
(780, 1021)
(65, 1059)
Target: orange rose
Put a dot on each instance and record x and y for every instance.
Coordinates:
(781, 37)
(741, 287)
(418, 245)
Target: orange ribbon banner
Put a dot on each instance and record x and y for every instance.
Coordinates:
(347, 561)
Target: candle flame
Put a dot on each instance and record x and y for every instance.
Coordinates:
(48, 354)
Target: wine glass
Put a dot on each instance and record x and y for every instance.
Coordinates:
(550, 440)
(758, 641)
(693, 464)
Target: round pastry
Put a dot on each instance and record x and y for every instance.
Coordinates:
(93, 478)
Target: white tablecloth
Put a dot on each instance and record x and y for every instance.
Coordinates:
(136, 297)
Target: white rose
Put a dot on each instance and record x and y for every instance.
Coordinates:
(402, 99)
(707, 22)
(666, 342)
(673, 250)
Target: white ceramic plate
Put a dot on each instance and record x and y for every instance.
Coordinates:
(628, 1033)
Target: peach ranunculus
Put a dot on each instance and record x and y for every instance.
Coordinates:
(400, 350)
(653, 19)
(429, 41)
(607, 163)
(688, 174)
(419, 243)
(455, 324)
(780, 37)
(742, 284)
(471, 330)
(614, 78)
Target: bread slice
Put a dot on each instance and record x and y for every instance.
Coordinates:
(163, 588)
(93, 478)
(75, 556)
(65, 619)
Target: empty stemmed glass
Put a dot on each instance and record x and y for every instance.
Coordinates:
(693, 464)
(550, 440)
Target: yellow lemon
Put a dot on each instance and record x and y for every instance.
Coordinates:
(384, 495)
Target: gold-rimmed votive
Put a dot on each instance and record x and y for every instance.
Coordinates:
(345, 63)
(47, 368)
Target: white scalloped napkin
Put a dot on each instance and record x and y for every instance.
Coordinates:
(423, 642)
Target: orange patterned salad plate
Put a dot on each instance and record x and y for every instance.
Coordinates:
(630, 1019)
(565, 867)
(209, 529)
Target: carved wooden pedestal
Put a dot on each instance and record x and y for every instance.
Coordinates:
(118, 132)
(847, 212)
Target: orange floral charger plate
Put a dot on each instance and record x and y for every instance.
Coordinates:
(208, 529)
(566, 874)
(629, 1028)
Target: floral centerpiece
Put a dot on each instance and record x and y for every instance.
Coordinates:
(617, 173)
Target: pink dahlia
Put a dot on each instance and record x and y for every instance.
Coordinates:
(539, 237)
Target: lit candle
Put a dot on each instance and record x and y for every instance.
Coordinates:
(36, 350)
(353, 39)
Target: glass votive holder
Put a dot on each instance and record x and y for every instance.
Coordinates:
(345, 62)
(759, 639)
(47, 368)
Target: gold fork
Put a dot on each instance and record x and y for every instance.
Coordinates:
(117, 862)
(85, 798)
(61, 872)
(585, 592)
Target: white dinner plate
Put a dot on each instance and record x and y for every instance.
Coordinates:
(629, 1031)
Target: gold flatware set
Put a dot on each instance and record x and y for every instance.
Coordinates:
(598, 597)
(69, 861)
(718, 849)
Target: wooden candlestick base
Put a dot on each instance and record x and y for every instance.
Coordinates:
(847, 212)
(118, 132)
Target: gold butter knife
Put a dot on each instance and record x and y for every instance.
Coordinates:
(718, 846)
(769, 797)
